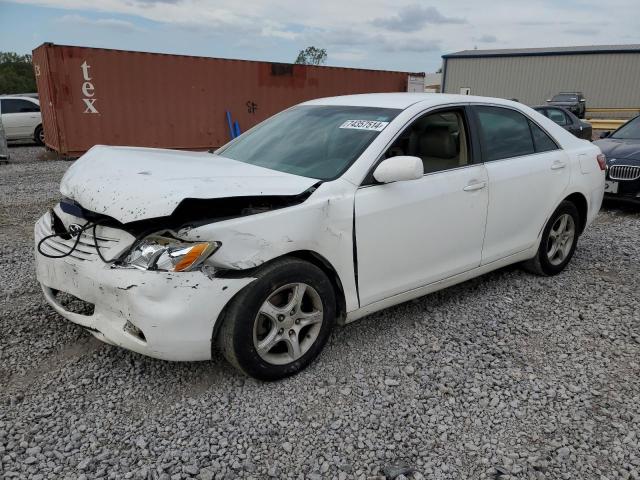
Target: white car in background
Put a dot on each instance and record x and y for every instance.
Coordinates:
(21, 118)
(322, 214)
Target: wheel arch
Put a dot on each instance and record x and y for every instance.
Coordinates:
(580, 201)
(38, 128)
(323, 264)
(307, 255)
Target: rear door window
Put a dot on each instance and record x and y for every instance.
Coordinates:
(504, 133)
(16, 105)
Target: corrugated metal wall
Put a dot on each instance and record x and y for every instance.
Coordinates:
(607, 80)
(43, 80)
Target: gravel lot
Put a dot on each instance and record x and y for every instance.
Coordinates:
(505, 376)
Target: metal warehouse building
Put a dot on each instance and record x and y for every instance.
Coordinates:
(608, 75)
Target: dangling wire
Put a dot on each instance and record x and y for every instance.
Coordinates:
(86, 226)
(95, 243)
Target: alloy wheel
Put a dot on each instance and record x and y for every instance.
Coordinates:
(560, 240)
(288, 323)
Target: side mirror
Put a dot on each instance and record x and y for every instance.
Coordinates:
(583, 100)
(548, 99)
(605, 134)
(397, 169)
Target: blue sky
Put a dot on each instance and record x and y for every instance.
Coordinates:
(405, 35)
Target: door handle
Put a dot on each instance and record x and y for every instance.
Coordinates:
(475, 186)
(558, 165)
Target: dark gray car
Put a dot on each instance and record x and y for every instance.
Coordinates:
(572, 101)
(622, 149)
(567, 120)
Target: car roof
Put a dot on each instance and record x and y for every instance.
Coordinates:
(556, 107)
(404, 100)
(18, 97)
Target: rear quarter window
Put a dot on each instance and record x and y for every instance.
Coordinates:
(541, 140)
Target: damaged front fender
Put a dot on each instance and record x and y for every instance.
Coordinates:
(323, 224)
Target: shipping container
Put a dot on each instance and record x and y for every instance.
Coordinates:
(92, 96)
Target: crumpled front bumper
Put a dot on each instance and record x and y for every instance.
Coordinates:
(176, 312)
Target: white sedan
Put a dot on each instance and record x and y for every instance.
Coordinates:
(320, 215)
(21, 118)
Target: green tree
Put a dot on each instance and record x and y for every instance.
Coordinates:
(312, 56)
(16, 73)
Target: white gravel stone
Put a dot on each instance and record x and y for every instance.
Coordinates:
(509, 374)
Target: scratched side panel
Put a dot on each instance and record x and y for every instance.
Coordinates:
(173, 101)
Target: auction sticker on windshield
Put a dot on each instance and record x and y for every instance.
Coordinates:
(373, 125)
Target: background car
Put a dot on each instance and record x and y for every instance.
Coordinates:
(21, 118)
(567, 120)
(572, 101)
(622, 149)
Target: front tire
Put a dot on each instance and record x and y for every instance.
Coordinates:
(278, 324)
(558, 243)
(38, 135)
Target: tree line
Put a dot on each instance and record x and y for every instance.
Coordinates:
(16, 73)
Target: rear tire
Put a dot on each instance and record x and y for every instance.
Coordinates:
(278, 324)
(558, 242)
(38, 135)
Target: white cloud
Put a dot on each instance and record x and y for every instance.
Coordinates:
(586, 31)
(374, 33)
(349, 55)
(189, 13)
(413, 45)
(371, 16)
(121, 26)
(486, 38)
(413, 18)
(272, 29)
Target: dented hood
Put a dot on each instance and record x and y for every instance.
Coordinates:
(131, 184)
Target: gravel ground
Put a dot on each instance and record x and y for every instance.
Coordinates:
(505, 376)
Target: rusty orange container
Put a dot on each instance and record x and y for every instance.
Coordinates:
(92, 96)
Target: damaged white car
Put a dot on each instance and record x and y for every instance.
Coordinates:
(322, 214)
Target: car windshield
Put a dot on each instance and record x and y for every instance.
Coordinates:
(629, 131)
(564, 97)
(311, 140)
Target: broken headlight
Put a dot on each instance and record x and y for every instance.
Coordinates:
(169, 254)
